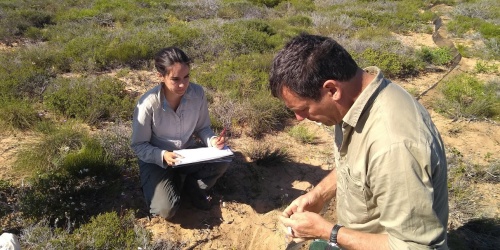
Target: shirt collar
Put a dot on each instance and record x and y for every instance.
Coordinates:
(366, 98)
(163, 101)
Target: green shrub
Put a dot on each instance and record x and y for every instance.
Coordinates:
(390, 63)
(436, 56)
(110, 231)
(90, 99)
(467, 97)
(247, 36)
(16, 21)
(268, 3)
(485, 67)
(302, 134)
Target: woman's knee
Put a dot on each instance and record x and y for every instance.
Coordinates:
(165, 208)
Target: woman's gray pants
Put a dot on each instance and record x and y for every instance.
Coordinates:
(162, 187)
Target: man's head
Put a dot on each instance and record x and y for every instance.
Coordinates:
(306, 62)
(311, 74)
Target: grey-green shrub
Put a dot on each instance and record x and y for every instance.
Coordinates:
(104, 231)
(89, 99)
(465, 96)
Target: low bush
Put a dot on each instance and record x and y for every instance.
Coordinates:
(84, 178)
(465, 96)
(90, 99)
(265, 154)
(302, 134)
(47, 155)
(265, 114)
(436, 56)
(391, 64)
(104, 231)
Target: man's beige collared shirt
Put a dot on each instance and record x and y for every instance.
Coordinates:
(391, 168)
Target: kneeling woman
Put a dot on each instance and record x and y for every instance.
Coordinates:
(167, 118)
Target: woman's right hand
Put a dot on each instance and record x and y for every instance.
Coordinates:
(170, 158)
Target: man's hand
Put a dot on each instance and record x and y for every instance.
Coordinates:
(311, 202)
(306, 225)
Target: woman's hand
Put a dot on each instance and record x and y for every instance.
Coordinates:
(170, 158)
(218, 142)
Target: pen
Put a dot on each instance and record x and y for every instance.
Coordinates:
(222, 132)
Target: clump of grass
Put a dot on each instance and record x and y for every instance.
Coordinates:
(266, 155)
(18, 114)
(84, 178)
(302, 134)
(465, 96)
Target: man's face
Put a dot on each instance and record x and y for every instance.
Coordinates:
(323, 111)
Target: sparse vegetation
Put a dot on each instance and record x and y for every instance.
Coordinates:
(54, 56)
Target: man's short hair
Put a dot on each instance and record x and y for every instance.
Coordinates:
(306, 62)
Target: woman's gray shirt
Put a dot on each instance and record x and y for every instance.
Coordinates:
(157, 128)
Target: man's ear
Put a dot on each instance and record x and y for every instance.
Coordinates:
(333, 89)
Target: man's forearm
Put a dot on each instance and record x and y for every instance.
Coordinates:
(353, 240)
(327, 188)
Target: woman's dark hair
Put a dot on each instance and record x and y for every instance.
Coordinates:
(167, 57)
(306, 62)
